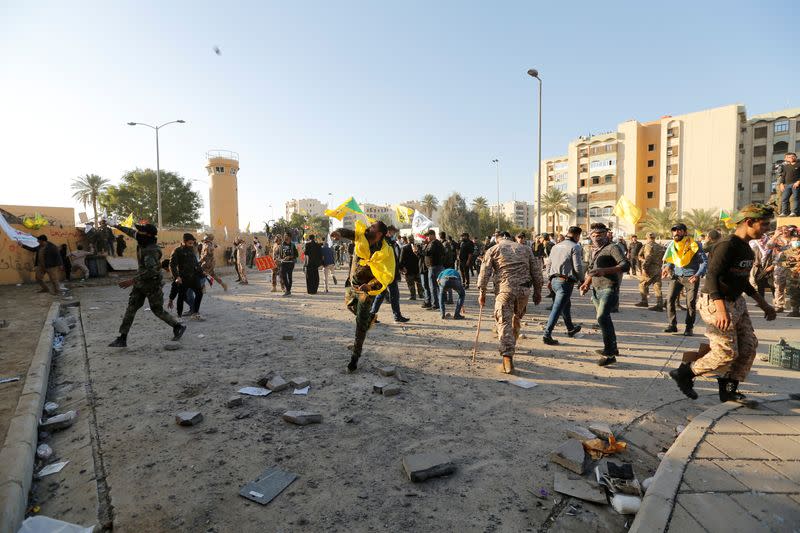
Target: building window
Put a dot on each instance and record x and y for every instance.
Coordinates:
(797, 126)
(233, 172)
(580, 213)
(760, 169)
(650, 195)
(583, 182)
(608, 178)
(603, 163)
(781, 126)
(760, 151)
(780, 147)
(219, 170)
(651, 163)
(608, 210)
(594, 212)
(595, 180)
(758, 187)
(760, 133)
(672, 132)
(650, 179)
(651, 147)
(797, 145)
(582, 197)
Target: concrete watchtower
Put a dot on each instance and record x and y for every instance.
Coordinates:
(223, 193)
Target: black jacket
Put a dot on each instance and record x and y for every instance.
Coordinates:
(52, 256)
(184, 263)
(409, 261)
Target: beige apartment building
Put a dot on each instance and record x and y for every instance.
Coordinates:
(305, 206)
(521, 214)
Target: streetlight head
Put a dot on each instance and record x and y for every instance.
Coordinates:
(131, 123)
(533, 73)
(181, 121)
(495, 160)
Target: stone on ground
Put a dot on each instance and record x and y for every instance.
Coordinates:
(578, 432)
(601, 429)
(387, 371)
(189, 418)
(299, 383)
(172, 346)
(302, 418)
(277, 383)
(422, 466)
(391, 390)
(570, 455)
(234, 401)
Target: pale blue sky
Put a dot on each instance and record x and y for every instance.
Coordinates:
(383, 101)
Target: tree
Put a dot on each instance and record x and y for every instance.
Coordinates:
(88, 190)
(479, 204)
(137, 194)
(660, 221)
(555, 203)
(455, 218)
(429, 205)
(702, 220)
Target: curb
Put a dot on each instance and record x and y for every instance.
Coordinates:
(17, 454)
(659, 500)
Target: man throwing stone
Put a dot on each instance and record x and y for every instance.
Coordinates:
(515, 271)
(146, 283)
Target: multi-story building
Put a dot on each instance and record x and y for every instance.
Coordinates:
(379, 212)
(520, 214)
(305, 206)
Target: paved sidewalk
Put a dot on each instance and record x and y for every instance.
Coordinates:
(733, 469)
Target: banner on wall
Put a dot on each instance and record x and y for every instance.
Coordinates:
(16, 235)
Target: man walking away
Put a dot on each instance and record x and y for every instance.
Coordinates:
(313, 261)
(650, 258)
(78, 259)
(634, 248)
(288, 256)
(450, 279)
(789, 185)
(47, 260)
(566, 269)
(328, 264)
(606, 267)
(685, 263)
(434, 259)
(121, 245)
(207, 260)
(146, 284)
(392, 290)
(723, 308)
(409, 266)
(514, 270)
(276, 255)
(466, 255)
(188, 274)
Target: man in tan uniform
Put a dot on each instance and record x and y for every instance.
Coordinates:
(207, 262)
(515, 271)
(650, 265)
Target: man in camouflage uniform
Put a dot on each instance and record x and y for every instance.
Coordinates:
(146, 283)
(790, 263)
(515, 271)
(650, 257)
(207, 261)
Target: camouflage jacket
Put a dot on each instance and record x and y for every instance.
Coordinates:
(790, 260)
(513, 267)
(207, 255)
(148, 275)
(650, 256)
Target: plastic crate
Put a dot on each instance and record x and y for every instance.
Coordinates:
(785, 355)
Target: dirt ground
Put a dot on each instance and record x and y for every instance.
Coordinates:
(163, 477)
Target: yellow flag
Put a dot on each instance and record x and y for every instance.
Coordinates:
(381, 262)
(128, 222)
(247, 229)
(627, 211)
(403, 214)
(349, 206)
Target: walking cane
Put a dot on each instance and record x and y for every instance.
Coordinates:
(477, 333)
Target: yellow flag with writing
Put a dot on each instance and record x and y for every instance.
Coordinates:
(627, 211)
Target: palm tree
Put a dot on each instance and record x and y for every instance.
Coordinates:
(555, 203)
(479, 204)
(429, 204)
(660, 221)
(87, 189)
(702, 220)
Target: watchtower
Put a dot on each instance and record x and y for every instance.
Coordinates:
(223, 192)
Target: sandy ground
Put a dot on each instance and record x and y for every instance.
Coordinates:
(162, 477)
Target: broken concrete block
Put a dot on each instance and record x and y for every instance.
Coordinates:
(578, 432)
(288, 337)
(377, 388)
(189, 418)
(601, 429)
(422, 466)
(265, 379)
(391, 390)
(299, 383)
(302, 418)
(60, 326)
(64, 420)
(234, 401)
(277, 384)
(386, 371)
(570, 455)
(172, 346)
(578, 488)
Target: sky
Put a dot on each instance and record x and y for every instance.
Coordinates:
(383, 101)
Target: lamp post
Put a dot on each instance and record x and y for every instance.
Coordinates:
(535, 74)
(497, 167)
(158, 163)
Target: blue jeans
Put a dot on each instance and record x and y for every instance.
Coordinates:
(394, 300)
(604, 301)
(562, 305)
(456, 285)
(433, 273)
(790, 192)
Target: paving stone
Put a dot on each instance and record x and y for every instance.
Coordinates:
(645, 441)
(787, 408)
(299, 383)
(705, 476)
(790, 469)
(759, 476)
(737, 447)
(778, 511)
(277, 384)
(579, 432)
(189, 418)
(302, 418)
(422, 466)
(682, 521)
(707, 451)
(578, 487)
(766, 425)
(172, 346)
(718, 512)
(570, 455)
(601, 429)
(781, 446)
(386, 371)
(234, 401)
(791, 421)
(728, 424)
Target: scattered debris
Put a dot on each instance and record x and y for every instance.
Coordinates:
(579, 432)
(189, 418)
(618, 478)
(271, 483)
(601, 429)
(44, 524)
(288, 338)
(254, 391)
(44, 452)
(302, 418)
(64, 420)
(201, 335)
(578, 487)
(422, 466)
(50, 408)
(301, 392)
(386, 371)
(570, 455)
(60, 326)
(9, 380)
(377, 388)
(262, 381)
(598, 448)
(52, 469)
(299, 383)
(172, 346)
(679, 429)
(234, 401)
(523, 383)
(646, 484)
(277, 383)
(625, 504)
(542, 493)
(392, 389)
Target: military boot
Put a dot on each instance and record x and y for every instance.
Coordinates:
(177, 331)
(659, 306)
(120, 342)
(728, 390)
(684, 377)
(358, 346)
(642, 303)
(508, 365)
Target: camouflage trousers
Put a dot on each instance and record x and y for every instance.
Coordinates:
(509, 308)
(779, 291)
(732, 351)
(360, 304)
(153, 294)
(646, 279)
(793, 289)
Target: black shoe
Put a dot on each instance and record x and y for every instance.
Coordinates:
(412, 298)
(334, 280)
(657, 307)
(550, 341)
(119, 342)
(684, 377)
(671, 329)
(353, 364)
(426, 306)
(604, 353)
(641, 304)
(434, 308)
(688, 332)
(728, 392)
(607, 360)
(401, 319)
(177, 331)
(574, 331)
(458, 317)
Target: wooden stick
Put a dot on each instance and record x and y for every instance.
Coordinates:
(477, 333)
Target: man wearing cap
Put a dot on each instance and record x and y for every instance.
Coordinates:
(634, 248)
(789, 184)
(650, 272)
(207, 261)
(723, 308)
(146, 284)
(685, 263)
(188, 274)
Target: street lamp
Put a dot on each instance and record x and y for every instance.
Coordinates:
(158, 163)
(535, 74)
(497, 167)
